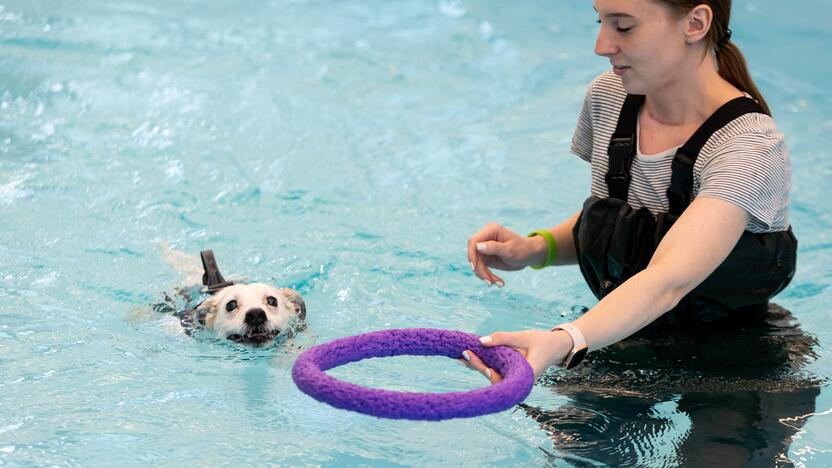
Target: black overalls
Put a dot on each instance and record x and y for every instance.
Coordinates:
(614, 241)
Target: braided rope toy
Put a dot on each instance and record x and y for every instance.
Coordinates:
(309, 375)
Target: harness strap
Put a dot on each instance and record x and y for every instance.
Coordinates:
(623, 144)
(622, 148)
(680, 192)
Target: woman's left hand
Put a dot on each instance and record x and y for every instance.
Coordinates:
(541, 348)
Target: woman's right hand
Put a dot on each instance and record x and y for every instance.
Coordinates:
(541, 348)
(495, 246)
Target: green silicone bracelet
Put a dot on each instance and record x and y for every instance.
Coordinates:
(553, 247)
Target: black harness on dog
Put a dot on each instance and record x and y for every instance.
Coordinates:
(613, 241)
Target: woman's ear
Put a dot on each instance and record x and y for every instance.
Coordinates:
(698, 23)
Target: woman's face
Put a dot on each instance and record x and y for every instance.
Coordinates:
(644, 42)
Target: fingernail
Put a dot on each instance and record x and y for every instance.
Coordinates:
(487, 282)
(488, 373)
(466, 356)
(481, 247)
(485, 339)
(472, 266)
(500, 283)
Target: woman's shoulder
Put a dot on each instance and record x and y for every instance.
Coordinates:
(749, 131)
(605, 96)
(746, 162)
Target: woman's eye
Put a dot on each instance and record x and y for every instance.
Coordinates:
(271, 301)
(231, 306)
(618, 28)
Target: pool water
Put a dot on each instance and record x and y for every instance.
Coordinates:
(348, 150)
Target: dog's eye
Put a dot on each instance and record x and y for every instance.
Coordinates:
(231, 306)
(271, 301)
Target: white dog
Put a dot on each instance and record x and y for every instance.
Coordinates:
(255, 313)
(251, 313)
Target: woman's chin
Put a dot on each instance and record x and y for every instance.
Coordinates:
(632, 86)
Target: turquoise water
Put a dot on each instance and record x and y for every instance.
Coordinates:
(348, 149)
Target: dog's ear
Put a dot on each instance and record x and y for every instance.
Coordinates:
(207, 311)
(296, 300)
(208, 320)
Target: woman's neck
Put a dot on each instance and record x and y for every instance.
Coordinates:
(690, 98)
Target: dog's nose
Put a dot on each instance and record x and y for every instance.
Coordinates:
(255, 317)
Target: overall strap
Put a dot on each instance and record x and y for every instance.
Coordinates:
(680, 192)
(622, 148)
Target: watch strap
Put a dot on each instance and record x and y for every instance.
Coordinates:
(579, 345)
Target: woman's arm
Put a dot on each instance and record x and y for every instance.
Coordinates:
(566, 242)
(693, 248)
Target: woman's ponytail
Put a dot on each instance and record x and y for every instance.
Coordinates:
(733, 68)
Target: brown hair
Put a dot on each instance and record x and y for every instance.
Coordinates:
(731, 63)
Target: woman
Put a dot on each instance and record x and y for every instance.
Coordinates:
(688, 219)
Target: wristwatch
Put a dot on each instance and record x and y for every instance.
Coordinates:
(579, 346)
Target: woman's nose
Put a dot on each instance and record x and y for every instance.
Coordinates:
(604, 46)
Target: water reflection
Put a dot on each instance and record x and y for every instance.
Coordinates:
(713, 397)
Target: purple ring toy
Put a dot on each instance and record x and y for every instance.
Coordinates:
(308, 374)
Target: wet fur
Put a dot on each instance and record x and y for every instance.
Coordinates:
(278, 312)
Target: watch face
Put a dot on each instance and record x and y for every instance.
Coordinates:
(577, 357)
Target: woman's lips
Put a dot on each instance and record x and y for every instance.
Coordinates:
(619, 70)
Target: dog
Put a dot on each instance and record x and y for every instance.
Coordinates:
(254, 314)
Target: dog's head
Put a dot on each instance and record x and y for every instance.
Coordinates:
(253, 313)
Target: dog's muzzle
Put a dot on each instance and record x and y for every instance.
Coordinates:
(256, 332)
(257, 335)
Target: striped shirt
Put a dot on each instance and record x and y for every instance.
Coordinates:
(745, 162)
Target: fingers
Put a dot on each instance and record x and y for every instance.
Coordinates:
(474, 362)
(531, 344)
(480, 266)
(489, 232)
(540, 348)
(483, 272)
(491, 278)
(472, 254)
(515, 340)
(486, 249)
(487, 254)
